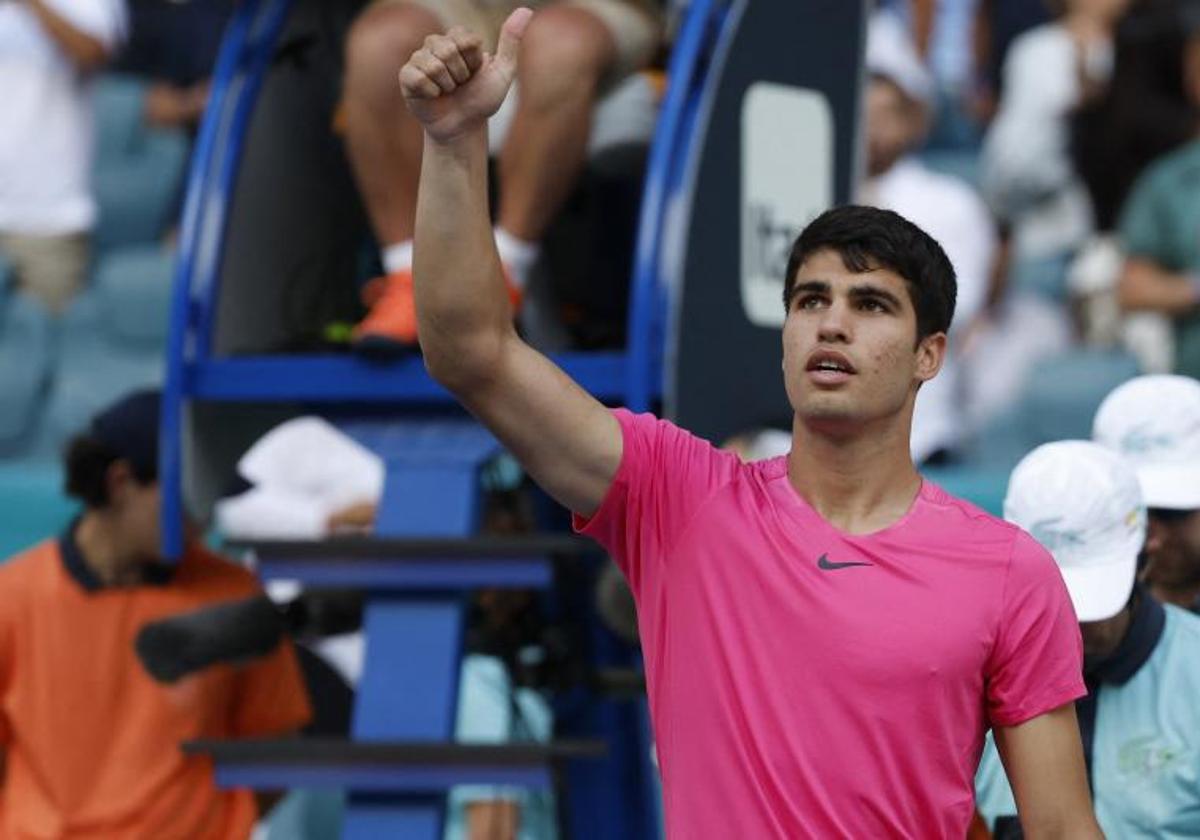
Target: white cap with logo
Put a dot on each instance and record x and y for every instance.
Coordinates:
(1082, 502)
(1154, 421)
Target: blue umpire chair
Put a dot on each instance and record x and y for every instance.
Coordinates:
(268, 253)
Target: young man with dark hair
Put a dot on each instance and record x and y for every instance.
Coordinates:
(90, 745)
(827, 637)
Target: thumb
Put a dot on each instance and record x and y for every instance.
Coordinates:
(510, 39)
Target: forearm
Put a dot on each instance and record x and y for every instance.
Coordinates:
(462, 305)
(86, 52)
(1145, 286)
(495, 820)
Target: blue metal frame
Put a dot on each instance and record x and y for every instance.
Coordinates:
(412, 575)
(669, 153)
(375, 777)
(241, 65)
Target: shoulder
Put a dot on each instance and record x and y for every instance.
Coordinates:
(946, 189)
(944, 204)
(26, 568)
(975, 522)
(1162, 175)
(204, 570)
(675, 447)
(1185, 626)
(1040, 43)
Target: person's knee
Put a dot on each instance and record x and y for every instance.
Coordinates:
(565, 53)
(382, 39)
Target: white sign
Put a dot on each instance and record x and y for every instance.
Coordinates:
(787, 180)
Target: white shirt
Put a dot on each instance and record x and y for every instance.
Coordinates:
(949, 210)
(46, 128)
(1027, 172)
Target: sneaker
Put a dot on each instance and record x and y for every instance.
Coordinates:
(390, 327)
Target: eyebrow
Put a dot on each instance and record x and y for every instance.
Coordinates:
(858, 291)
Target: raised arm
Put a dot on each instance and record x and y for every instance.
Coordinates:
(85, 51)
(568, 441)
(1043, 759)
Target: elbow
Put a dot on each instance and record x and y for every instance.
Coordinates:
(91, 56)
(464, 365)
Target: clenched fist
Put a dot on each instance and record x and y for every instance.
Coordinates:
(452, 86)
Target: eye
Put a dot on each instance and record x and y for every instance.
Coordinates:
(872, 305)
(809, 301)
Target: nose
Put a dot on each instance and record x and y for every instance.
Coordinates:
(834, 326)
(1156, 537)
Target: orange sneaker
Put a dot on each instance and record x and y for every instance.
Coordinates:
(390, 327)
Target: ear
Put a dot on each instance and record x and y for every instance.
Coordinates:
(931, 354)
(117, 480)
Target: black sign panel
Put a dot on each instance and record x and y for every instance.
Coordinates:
(778, 143)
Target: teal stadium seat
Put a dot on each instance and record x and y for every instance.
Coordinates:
(26, 349)
(1063, 393)
(33, 502)
(138, 169)
(110, 342)
(1058, 403)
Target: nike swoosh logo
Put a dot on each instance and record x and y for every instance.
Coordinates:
(826, 565)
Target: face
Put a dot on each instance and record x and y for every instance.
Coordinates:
(895, 124)
(1108, 11)
(1173, 549)
(135, 514)
(850, 354)
(1191, 68)
(1100, 638)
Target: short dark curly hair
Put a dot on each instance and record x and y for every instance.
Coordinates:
(86, 460)
(868, 237)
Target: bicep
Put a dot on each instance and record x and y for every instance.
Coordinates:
(1043, 758)
(567, 440)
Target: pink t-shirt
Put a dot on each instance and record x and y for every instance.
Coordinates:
(808, 683)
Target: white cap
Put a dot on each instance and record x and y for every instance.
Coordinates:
(1082, 502)
(1154, 421)
(892, 54)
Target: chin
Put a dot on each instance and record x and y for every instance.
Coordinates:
(827, 409)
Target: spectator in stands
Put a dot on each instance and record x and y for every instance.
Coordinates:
(1148, 109)
(89, 742)
(48, 51)
(1154, 421)
(899, 108)
(574, 50)
(173, 45)
(1140, 721)
(1158, 233)
(1027, 171)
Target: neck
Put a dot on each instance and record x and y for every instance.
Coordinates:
(859, 482)
(1179, 596)
(101, 550)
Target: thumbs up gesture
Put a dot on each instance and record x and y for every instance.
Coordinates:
(451, 86)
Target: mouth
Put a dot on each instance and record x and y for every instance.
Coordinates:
(828, 367)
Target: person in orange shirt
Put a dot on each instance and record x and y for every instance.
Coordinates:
(89, 743)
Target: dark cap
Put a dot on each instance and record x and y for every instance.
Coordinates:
(129, 427)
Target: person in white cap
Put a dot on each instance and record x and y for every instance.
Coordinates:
(1140, 724)
(1154, 422)
(899, 108)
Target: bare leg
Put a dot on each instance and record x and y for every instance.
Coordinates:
(564, 55)
(383, 140)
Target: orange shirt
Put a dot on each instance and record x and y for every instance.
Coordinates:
(92, 742)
